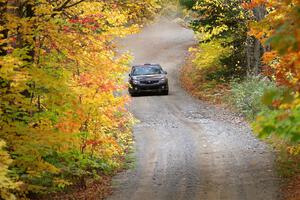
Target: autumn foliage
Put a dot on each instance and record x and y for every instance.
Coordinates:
(280, 31)
(62, 112)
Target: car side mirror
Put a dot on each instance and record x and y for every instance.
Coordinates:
(165, 72)
(129, 75)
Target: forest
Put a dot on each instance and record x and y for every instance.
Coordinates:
(63, 120)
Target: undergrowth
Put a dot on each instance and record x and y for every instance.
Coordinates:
(246, 95)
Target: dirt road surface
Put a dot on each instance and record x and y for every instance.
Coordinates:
(187, 149)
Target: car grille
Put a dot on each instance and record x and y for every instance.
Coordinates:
(149, 82)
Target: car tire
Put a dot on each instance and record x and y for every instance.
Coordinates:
(133, 94)
(166, 92)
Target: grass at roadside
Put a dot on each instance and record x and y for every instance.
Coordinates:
(288, 165)
(93, 190)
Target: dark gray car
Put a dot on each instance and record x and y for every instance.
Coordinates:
(148, 78)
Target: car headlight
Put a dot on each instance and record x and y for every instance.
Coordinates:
(163, 80)
(135, 82)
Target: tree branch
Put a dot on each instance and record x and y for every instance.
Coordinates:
(74, 4)
(60, 8)
(66, 6)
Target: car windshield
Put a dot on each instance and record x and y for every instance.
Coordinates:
(147, 70)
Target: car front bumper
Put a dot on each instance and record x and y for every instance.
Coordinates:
(140, 88)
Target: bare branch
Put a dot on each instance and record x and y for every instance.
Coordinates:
(66, 6)
(60, 8)
(74, 4)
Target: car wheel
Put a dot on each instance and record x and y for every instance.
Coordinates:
(133, 94)
(166, 92)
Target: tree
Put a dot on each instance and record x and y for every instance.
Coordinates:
(280, 31)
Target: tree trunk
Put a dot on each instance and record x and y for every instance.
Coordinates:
(255, 49)
(4, 32)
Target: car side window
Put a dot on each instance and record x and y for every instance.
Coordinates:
(132, 70)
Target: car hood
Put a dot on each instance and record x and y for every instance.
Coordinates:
(149, 77)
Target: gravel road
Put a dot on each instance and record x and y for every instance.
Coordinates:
(187, 149)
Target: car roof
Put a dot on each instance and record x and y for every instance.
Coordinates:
(146, 65)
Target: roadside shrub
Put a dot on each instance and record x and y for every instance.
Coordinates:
(196, 76)
(208, 60)
(247, 95)
(208, 56)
